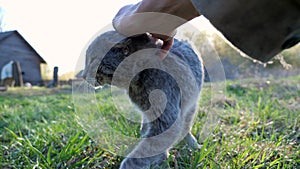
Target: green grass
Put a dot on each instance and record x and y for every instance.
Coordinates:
(259, 127)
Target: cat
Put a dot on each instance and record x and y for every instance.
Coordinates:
(166, 91)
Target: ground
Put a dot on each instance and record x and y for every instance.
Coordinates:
(258, 126)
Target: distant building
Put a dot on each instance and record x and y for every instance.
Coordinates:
(13, 47)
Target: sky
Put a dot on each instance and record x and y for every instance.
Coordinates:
(60, 29)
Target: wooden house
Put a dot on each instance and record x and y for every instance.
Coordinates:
(13, 47)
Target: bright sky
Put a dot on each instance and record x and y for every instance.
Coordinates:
(60, 29)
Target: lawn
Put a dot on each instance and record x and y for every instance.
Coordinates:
(258, 126)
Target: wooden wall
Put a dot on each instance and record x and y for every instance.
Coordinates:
(14, 47)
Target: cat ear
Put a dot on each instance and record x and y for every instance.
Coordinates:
(125, 50)
(127, 42)
(119, 45)
(144, 38)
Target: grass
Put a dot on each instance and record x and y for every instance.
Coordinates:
(259, 127)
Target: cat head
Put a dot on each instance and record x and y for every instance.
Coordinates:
(108, 50)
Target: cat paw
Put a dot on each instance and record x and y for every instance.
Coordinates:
(132, 163)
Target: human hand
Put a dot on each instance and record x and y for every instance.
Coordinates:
(129, 20)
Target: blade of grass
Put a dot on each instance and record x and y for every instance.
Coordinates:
(49, 154)
(35, 150)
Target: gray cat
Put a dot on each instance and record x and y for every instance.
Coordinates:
(166, 91)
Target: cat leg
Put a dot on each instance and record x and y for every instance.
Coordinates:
(145, 126)
(190, 140)
(144, 163)
(152, 150)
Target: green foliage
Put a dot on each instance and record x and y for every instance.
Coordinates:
(259, 127)
(40, 131)
(214, 48)
(292, 56)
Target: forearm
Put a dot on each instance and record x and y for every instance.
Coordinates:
(129, 20)
(180, 8)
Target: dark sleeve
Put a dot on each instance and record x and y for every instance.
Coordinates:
(259, 28)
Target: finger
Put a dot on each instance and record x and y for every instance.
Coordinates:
(165, 48)
(167, 45)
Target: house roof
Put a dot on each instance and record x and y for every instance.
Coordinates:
(5, 35)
